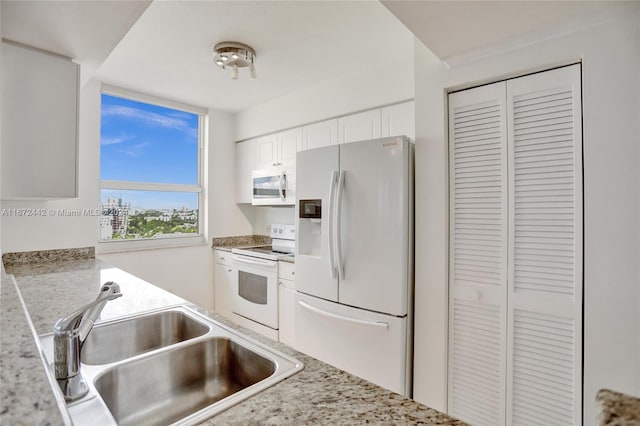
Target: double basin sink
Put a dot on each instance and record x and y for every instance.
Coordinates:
(173, 366)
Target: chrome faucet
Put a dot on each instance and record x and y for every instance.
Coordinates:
(70, 334)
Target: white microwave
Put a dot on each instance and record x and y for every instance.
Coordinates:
(275, 186)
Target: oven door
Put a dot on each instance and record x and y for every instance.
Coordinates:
(255, 290)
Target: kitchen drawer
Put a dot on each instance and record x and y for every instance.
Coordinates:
(222, 256)
(287, 271)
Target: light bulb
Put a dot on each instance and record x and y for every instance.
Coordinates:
(234, 72)
(252, 72)
(234, 56)
(219, 62)
(224, 57)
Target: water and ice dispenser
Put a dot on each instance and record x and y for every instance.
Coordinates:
(310, 227)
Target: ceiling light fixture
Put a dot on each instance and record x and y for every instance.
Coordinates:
(235, 55)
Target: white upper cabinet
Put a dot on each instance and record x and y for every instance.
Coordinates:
(399, 119)
(245, 164)
(266, 152)
(358, 127)
(320, 134)
(39, 124)
(278, 149)
(288, 143)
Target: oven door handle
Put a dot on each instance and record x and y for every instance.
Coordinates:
(266, 263)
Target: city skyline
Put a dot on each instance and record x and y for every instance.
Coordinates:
(152, 200)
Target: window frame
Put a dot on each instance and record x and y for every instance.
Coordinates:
(107, 246)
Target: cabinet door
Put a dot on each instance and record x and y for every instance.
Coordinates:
(39, 124)
(478, 254)
(288, 143)
(245, 164)
(320, 134)
(399, 120)
(286, 313)
(223, 289)
(359, 127)
(266, 152)
(544, 362)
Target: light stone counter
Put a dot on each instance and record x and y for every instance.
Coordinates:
(320, 394)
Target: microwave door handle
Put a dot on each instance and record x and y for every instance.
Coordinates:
(332, 196)
(338, 227)
(280, 186)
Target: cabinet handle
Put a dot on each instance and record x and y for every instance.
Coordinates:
(230, 270)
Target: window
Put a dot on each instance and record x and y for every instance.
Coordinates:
(150, 169)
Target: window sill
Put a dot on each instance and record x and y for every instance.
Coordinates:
(106, 247)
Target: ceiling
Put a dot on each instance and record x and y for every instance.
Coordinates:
(453, 28)
(298, 43)
(86, 31)
(163, 48)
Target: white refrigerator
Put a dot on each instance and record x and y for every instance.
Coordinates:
(354, 259)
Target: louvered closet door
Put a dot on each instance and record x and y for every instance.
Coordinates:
(478, 241)
(544, 361)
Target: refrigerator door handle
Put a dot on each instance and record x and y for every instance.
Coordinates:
(378, 324)
(332, 196)
(338, 226)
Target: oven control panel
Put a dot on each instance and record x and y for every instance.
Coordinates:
(283, 232)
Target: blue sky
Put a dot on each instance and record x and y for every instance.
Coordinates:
(148, 143)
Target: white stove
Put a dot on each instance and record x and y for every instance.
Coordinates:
(282, 246)
(255, 283)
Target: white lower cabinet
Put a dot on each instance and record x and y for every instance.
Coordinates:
(286, 303)
(223, 283)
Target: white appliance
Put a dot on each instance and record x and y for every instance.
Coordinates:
(255, 282)
(274, 186)
(354, 259)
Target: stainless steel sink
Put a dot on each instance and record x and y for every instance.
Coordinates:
(167, 387)
(173, 366)
(126, 338)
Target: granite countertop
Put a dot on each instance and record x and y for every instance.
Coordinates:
(320, 394)
(617, 409)
(244, 241)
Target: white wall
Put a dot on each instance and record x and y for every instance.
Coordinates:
(368, 88)
(265, 216)
(611, 140)
(431, 232)
(184, 271)
(225, 216)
